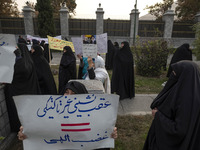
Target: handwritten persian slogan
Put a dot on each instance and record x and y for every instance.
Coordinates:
(102, 44)
(83, 121)
(58, 44)
(7, 57)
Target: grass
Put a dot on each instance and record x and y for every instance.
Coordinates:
(132, 132)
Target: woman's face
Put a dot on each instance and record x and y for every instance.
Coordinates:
(122, 44)
(32, 50)
(69, 92)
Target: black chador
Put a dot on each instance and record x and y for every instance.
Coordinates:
(176, 125)
(109, 56)
(67, 69)
(123, 73)
(24, 82)
(43, 70)
(182, 53)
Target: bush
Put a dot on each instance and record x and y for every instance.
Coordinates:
(150, 57)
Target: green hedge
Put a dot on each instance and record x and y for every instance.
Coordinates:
(150, 57)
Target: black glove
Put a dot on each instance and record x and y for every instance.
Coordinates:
(17, 53)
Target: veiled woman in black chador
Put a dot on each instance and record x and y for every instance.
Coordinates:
(109, 56)
(24, 82)
(67, 69)
(182, 53)
(123, 73)
(43, 70)
(176, 111)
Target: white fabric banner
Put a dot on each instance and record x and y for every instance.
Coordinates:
(102, 44)
(83, 121)
(29, 37)
(7, 57)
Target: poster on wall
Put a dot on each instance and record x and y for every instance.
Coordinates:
(67, 122)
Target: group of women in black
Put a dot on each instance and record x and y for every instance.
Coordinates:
(176, 109)
(120, 61)
(32, 75)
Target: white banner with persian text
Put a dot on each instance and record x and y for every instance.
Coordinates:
(102, 44)
(7, 57)
(83, 121)
(77, 41)
(89, 50)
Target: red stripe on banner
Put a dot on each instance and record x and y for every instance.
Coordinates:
(76, 124)
(75, 130)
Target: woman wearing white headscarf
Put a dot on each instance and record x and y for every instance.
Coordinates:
(97, 71)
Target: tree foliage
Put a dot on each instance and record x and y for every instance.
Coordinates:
(8, 8)
(159, 8)
(56, 4)
(45, 18)
(187, 9)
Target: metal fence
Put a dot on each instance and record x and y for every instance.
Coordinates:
(12, 25)
(82, 26)
(112, 27)
(183, 30)
(117, 27)
(150, 28)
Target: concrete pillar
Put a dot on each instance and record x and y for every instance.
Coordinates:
(168, 18)
(198, 17)
(64, 23)
(134, 19)
(28, 20)
(99, 20)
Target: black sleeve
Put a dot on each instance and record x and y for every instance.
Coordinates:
(91, 73)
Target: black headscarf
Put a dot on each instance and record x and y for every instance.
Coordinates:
(43, 70)
(123, 73)
(24, 82)
(67, 69)
(176, 125)
(116, 44)
(109, 56)
(182, 53)
(76, 87)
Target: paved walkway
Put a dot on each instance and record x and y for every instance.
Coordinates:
(139, 105)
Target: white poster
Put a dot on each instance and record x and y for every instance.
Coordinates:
(89, 50)
(77, 42)
(7, 57)
(102, 45)
(67, 122)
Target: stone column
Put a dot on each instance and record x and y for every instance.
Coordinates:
(168, 18)
(99, 20)
(64, 24)
(134, 20)
(28, 20)
(198, 17)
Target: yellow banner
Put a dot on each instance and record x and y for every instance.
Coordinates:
(58, 44)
